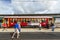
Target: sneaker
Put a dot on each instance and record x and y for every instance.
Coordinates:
(6, 30)
(17, 37)
(52, 31)
(2, 30)
(12, 37)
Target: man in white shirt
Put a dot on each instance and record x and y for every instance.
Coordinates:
(40, 26)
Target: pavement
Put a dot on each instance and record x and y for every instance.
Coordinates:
(31, 34)
(31, 30)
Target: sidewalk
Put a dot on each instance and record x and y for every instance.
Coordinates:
(31, 30)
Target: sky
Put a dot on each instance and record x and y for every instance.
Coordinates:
(29, 6)
(6, 7)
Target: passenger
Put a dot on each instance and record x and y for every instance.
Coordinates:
(17, 29)
(47, 25)
(4, 25)
(53, 26)
(40, 26)
(0, 25)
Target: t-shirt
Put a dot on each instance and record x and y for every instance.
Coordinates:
(4, 25)
(40, 25)
(52, 24)
(16, 25)
(0, 24)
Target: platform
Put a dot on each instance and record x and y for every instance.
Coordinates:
(31, 30)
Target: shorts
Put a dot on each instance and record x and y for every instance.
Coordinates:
(17, 31)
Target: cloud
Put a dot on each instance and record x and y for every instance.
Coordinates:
(34, 6)
(29, 6)
(5, 7)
